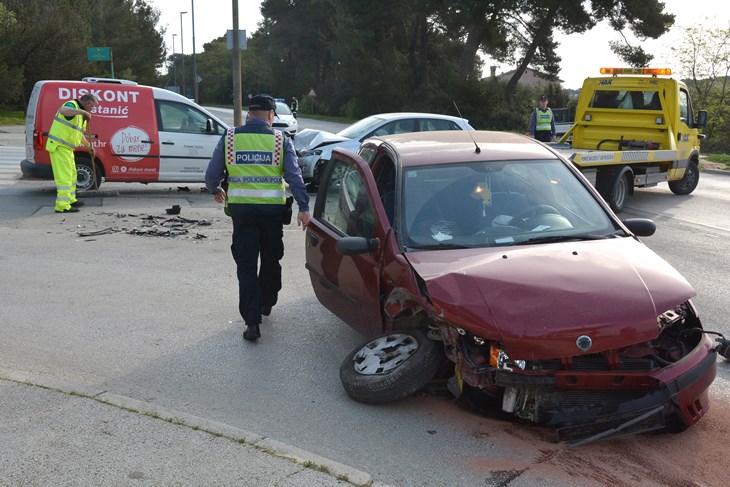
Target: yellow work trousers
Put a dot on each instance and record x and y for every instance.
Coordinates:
(64, 174)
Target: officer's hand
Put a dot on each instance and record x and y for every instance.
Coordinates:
(303, 219)
(220, 197)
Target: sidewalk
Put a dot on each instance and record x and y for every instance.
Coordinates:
(55, 433)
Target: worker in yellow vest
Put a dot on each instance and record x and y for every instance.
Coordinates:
(542, 122)
(66, 134)
(255, 160)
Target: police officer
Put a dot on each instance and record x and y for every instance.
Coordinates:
(542, 122)
(255, 160)
(294, 106)
(66, 134)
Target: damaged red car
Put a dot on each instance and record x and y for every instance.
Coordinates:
(493, 252)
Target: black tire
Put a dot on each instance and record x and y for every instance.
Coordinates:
(620, 192)
(85, 175)
(689, 182)
(390, 366)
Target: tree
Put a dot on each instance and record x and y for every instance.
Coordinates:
(129, 28)
(11, 77)
(704, 57)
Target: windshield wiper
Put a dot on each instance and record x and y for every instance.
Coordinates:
(568, 238)
(440, 246)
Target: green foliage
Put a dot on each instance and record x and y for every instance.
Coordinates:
(48, 40)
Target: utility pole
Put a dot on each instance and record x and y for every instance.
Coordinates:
(237, 116)
(182, 53)
(174, 63)
(195, 71)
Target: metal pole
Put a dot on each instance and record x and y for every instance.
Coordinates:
(195, 71)
(237, 117)
(182, 52)
(174, 63)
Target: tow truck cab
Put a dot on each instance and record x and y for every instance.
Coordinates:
(635, 128)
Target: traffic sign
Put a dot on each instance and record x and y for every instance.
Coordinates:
(99, 53)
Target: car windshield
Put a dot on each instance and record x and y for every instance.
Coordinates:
(361, 128)
(282, 109)
(491, 204)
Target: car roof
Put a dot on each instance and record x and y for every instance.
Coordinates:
(399, 115)
(446, 146)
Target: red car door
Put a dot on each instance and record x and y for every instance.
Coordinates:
(348, 206)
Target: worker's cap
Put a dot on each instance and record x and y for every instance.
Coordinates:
(263, 103)
(543, 97)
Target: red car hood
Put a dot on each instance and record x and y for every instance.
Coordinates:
(538, 299)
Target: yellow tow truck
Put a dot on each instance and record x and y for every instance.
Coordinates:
(635, 128)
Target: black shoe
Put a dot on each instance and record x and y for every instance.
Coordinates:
(77, 204)
(266, 310)
(68, 210)
(252, 333)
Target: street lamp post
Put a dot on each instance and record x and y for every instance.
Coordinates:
(195, 71)
(182, 53)
(174, 64)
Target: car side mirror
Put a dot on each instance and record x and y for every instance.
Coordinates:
(641, 227)
(356, 245)
(209, 126)
(701, 118)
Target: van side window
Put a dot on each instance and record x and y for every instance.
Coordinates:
(181, 118)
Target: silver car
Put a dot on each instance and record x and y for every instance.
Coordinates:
(314, 147)
(285, 120)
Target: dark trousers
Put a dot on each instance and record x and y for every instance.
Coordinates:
(257, 236)
(543, 135)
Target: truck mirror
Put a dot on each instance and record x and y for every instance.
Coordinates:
(701, 118)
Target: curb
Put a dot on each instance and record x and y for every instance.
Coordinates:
(267, 445)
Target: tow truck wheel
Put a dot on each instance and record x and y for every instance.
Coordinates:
(390, 366)
(85, 175)
(688, 183)
(620, 192)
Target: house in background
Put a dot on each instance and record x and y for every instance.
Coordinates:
(530, 77)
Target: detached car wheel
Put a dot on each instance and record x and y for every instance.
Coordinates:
(390, 367)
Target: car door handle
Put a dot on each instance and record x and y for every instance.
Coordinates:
(313, 239)
(148, 141)
(168, 143)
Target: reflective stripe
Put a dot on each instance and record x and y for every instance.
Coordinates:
(65, 122)
(63, 188)
(63, 198)
(254, 179)
(61, 141)
(257, 193)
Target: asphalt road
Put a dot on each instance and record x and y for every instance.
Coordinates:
(155, 319)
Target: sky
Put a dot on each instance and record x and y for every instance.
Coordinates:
(582, 54)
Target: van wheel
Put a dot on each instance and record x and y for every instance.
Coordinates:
(85, 175)
(689, 181)
(390, 366)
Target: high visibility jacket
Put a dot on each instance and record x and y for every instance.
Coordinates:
(255, 164)
(295, 105)
(64, 132)
(543, 119)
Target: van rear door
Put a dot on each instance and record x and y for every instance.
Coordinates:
(185, 144)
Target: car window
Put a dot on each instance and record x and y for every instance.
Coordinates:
(347, 207)
(178, 117)
(358, 129)
(430, 124)
(396, 127)
(282, 108)
(684, 111)
(484, 204)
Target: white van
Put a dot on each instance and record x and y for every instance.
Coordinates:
(140, 133)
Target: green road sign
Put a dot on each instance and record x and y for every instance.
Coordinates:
(99, 53)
